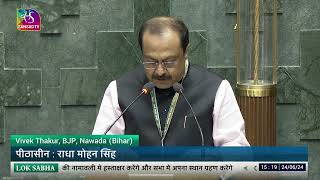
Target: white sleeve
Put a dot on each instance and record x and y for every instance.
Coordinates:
(109, 111)
(228, 123)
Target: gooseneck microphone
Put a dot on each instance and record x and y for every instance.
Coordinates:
(179, 88)
(147, 88)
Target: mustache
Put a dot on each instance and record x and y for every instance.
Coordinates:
(164, 77)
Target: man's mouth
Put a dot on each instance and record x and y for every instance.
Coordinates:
(162, 79)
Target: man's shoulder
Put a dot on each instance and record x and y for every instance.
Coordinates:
(205, 73)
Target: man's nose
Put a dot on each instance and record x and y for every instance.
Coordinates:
(160, 70)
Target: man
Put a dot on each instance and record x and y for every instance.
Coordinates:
(163, 117)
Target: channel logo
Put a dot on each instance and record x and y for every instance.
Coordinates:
(28, 20)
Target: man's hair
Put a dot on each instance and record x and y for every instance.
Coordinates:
(158, 25)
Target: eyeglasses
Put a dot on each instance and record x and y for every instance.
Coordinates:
(154, 64)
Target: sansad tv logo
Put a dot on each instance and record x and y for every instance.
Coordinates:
(28, 20)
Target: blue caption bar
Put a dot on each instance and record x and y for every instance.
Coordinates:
(266, 154)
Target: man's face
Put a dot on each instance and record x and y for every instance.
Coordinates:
(163, 58)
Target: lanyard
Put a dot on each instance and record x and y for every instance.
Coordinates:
(169, 116)
(171, 110)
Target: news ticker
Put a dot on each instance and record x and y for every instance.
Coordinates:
(120, 154)
(278, 169)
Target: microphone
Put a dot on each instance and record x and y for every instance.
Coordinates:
(147, 88)
(179, 88)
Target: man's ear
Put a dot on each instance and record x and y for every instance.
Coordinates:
(187, 50)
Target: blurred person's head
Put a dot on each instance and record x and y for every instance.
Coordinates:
(164, 42)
